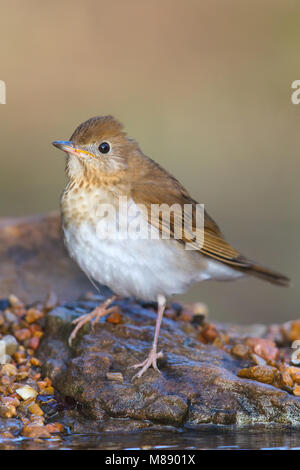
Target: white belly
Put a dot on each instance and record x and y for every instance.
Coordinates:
(141, 268)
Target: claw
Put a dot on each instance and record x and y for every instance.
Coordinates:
(150, 361)
(94, 316)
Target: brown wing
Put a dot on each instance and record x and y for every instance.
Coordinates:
(158, 187)
(212, 242)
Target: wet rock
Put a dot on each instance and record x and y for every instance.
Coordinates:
(35, 431)
(264, 348)
(241, 350)
(7, 411)
(294, 373)
(170, 409)
(115, 376)
(199, 382)
(34, 261)
(264, 374)
(4, 304)
(11, 344)
(26, 392)
(12, 425)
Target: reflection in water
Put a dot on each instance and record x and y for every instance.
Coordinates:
(204, 437)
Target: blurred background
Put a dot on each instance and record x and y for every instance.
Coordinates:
(205, 88)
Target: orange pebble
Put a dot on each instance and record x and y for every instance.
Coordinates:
(34, 342)
(35, 431)
(208, 334)
(35, 409)
(54, 427)
(23, 334)
(287, 379)
(33, 315)
(114, 318)
(34, 361)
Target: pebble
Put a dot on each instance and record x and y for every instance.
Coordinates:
(6, 435)
(47, 391)
(37, 420)
(14, 301)
(287, 379)
(35, 409)
(34, 431)
(10, 317)
(10, 401)
(51, 301)
(116, 376)
(294, 333)
(4, 304)
(265, 374)
(264, 348)
(11, 344)
(294, 373)
(54, 427)
(26, 392)
(199, 308)
(34, 343)
(208, 333)
(33, 315)
(240, 350)
(115, 318)
(6, 359)
(22, 375)
(260, 361)
(35, 362)
(23, 334)
(7, 411)
(195, 313)
(9, 370)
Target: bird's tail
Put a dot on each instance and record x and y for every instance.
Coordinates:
(268, 275)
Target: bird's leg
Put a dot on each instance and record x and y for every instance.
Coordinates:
(100, 311)
(153, 356)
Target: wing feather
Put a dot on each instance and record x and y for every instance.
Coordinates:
(212, 243)
(157, 186)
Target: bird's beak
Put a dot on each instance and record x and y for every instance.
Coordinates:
(65, 145)
(68, 146)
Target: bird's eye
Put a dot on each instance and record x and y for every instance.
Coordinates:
(104, 147)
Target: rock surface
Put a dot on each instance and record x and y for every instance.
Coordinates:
(198, 384)
(34, 261)
(210, 373)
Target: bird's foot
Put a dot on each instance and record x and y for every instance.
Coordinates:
(94, 316)
(150, 361)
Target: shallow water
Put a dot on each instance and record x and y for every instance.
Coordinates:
(204, 437)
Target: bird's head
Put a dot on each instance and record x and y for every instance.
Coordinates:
(99, 146)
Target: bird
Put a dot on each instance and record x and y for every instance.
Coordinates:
(103, 167)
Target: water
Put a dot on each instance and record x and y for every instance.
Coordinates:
(204, 437)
